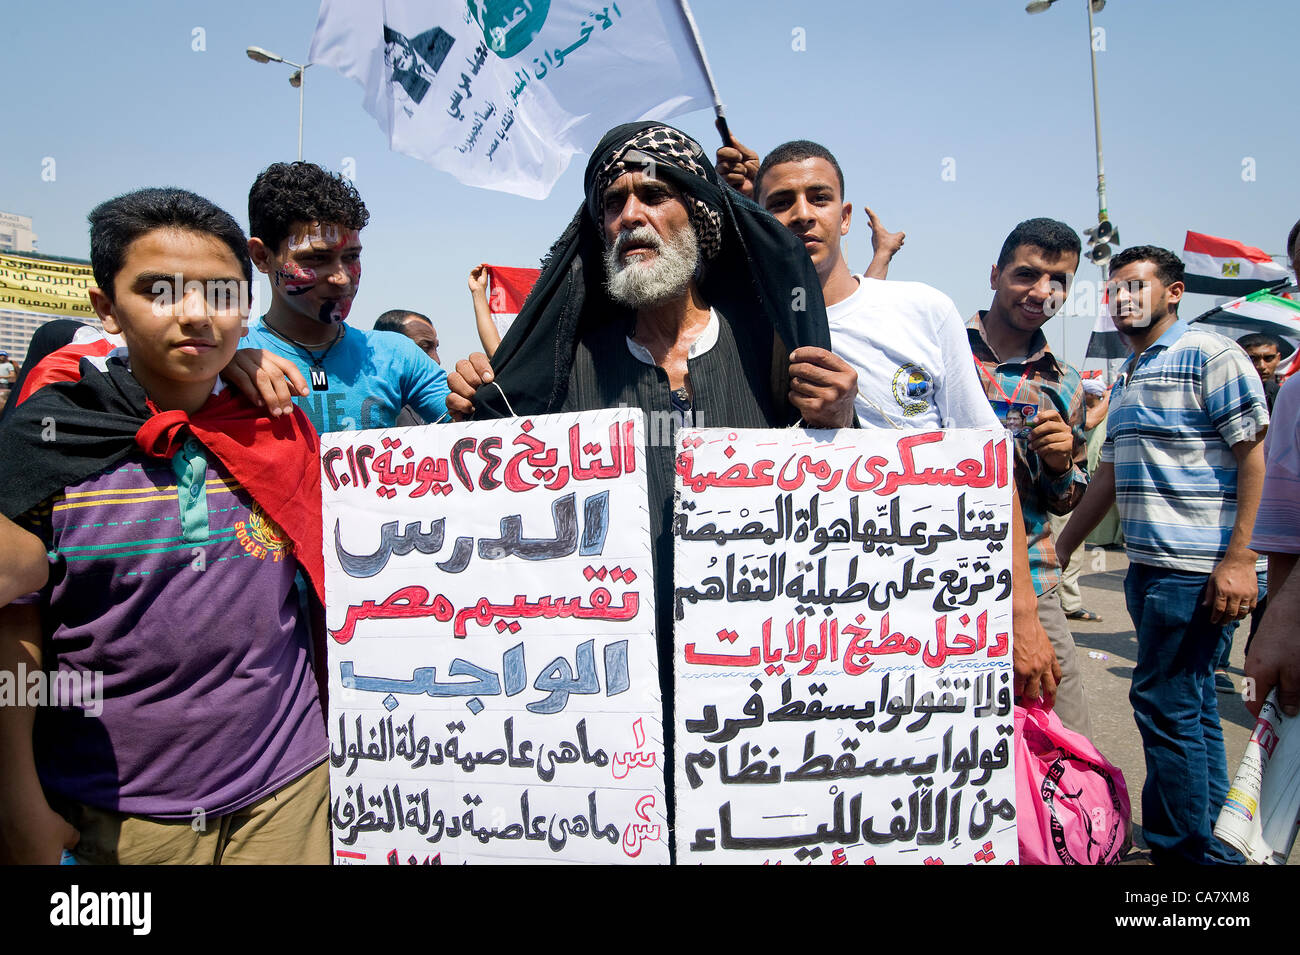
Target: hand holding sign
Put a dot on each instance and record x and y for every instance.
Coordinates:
(822, 387)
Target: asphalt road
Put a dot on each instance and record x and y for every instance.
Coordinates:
(1107, 650)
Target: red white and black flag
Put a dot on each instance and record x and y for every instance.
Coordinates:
(1105, 342)
(1217, 266)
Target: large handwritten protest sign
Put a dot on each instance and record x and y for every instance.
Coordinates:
(492, 669)
(843, 649)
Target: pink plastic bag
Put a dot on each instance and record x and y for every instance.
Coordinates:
(1072, 804)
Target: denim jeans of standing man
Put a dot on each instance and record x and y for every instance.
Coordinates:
(1177, 712)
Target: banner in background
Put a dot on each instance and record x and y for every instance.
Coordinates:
(45, 285)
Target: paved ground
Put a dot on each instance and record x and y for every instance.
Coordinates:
(1107, 651)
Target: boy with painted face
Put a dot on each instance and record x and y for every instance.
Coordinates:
(305, 226)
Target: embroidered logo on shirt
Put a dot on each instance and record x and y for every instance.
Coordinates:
(913, 388)
(261, 537)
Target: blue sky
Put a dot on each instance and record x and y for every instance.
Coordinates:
(1197, 105)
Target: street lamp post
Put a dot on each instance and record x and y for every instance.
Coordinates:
(259, 55)
(1103, 235)
(1096, 116)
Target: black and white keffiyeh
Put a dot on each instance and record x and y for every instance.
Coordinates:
(649, 148)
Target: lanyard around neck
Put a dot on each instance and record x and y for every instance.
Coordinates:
(1009, 399)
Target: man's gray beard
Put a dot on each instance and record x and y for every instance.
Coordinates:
(641, 284)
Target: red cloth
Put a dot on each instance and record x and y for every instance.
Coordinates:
(61, 365)
(510, 286)
(277, 460)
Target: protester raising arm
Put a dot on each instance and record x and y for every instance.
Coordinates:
(884, 246)
(737, 165)
(487, 330)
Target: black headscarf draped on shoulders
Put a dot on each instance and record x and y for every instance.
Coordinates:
(761, 278)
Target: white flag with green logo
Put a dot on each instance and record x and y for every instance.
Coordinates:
(503, 93)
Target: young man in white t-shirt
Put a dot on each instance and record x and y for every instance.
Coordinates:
(908, 344)
(907, 340)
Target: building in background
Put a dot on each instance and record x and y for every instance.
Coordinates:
(16, 233)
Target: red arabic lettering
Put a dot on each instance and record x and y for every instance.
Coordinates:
(600, 607)
(403, 603)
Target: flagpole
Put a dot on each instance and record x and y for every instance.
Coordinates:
(718, 109)
(1096, 119)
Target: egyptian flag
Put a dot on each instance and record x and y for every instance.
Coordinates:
(507, 289)
(1223, 267)
(1105, 342)
(55, 353)
(105, 415)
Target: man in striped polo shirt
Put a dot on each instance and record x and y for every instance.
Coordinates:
(1183, 462)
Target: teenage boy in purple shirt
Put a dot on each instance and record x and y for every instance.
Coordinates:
(181, 721)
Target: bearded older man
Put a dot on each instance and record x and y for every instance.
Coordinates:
(671, 293)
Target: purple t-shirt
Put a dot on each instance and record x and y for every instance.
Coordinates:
(169, 580)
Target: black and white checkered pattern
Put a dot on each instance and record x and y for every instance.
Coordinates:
(670, 146)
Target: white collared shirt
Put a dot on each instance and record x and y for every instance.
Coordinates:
(708, 338)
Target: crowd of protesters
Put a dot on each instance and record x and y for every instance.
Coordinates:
(669, 291)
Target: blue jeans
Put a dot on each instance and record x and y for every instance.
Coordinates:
(1177, 712)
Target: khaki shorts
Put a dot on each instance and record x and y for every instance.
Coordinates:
(288, 827)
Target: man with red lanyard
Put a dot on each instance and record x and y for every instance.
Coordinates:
(1024, 380)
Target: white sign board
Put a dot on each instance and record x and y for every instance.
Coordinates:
(843, 647)
(493, 678)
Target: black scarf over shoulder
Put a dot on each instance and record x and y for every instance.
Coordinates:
(762, 279)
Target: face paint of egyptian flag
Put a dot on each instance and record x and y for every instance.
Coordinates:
(319, 270)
